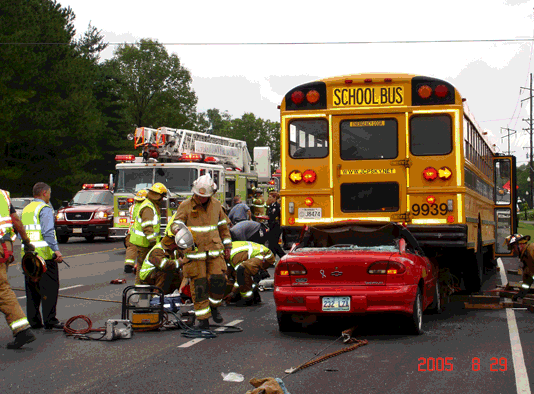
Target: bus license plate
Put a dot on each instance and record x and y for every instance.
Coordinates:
(77, 230)
(336, 304)
(310, 213)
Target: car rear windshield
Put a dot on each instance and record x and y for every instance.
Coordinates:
(379, 248)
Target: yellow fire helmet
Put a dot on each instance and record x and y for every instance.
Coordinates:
(33, 266)
(159, 188)
(516, 238)
(141, 195)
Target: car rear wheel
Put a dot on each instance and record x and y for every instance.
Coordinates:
(285, 322)
(435, 307)
(415, 321)
(63, 239)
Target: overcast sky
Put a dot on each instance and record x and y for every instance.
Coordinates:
(254, 78)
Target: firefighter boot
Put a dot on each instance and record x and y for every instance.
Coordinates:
(216, 315)
(203, 324)
(21, 339)
(256, 298)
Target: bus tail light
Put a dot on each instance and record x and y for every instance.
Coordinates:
(291, 221)
(424, 91)
(430, 173)
(312, 96)
(297, 97)
(295, 176)
(308, 201)
(431, 200)
(309, 176)
(450, 219)
(445, 173)
(441, 91)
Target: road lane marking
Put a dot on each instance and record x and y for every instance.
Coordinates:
(197, 340)
(65, 288)
(77, 255)
(520, 371)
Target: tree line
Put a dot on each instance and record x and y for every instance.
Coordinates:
(65, 114)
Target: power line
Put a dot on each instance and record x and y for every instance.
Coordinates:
(293, 43)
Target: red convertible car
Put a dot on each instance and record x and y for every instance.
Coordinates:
(355, 269)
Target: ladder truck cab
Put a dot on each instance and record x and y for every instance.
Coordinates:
(176, 158)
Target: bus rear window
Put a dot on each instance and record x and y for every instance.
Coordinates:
(368, 139)
(431, 135)
(308, 138)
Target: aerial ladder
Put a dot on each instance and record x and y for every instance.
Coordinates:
(173, 145)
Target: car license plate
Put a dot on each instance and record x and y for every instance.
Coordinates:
(336, 304)
(310, 213)
(77, 230)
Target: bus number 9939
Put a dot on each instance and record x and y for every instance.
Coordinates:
(426, 209)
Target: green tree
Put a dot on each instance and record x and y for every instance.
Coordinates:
(153, 85)
(50, 120)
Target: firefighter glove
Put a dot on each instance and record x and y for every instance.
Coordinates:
(28, 247)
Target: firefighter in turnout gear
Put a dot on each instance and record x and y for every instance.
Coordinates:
(161, 267)
(9, 305)
(131, 249)
(258, 204)
(205, 266)
(519, 245)
(246, 259)
(145, 230)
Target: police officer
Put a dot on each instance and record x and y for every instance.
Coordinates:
(205, 266)
(273, 212)
(520, 247)
(38, 221)
(145, 231)
(9, 305)
(131, 249)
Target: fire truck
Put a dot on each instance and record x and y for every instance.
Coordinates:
(89, 214)
(176, 158)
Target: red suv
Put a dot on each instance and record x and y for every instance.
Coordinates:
(89, 214)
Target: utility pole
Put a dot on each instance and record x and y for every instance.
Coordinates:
(531, 172)
(508, 136)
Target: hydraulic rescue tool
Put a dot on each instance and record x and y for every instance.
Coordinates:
(144, 316)
(113, 332)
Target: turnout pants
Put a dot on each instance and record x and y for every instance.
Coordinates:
(43, 294)
(131, 252)
(141, 254)
(9, 305)
(166, 281)
(252, 266)
(207, 283)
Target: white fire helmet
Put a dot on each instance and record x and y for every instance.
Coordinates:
(204, 186)
(184, 237)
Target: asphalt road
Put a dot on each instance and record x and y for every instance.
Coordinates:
(455, 354)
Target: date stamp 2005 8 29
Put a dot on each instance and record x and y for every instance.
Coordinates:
(431, 364)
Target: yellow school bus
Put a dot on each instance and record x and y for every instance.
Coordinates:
(397, 147)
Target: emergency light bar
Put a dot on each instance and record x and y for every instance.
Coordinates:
(191, 157)
(103, 186)
(124, 158)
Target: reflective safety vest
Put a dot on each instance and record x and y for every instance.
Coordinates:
(133, 211)
(6, 224)
(32, 225)
(168, 231)
(253, 249)
(148, 267)
(137, 236)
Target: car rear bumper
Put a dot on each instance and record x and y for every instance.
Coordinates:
(364, 299)
(118, 232)
(83, 230)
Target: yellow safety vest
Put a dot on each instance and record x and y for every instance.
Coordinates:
(32, 225)
(148, 267)
(137, 236)
(6, 224)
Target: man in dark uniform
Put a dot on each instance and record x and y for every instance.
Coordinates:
(519, 245)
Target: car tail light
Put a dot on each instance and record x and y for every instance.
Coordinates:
(430, 173)
(308, 201)
(386, 268)
(296, 269)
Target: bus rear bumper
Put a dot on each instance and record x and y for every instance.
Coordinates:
(454, 235)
